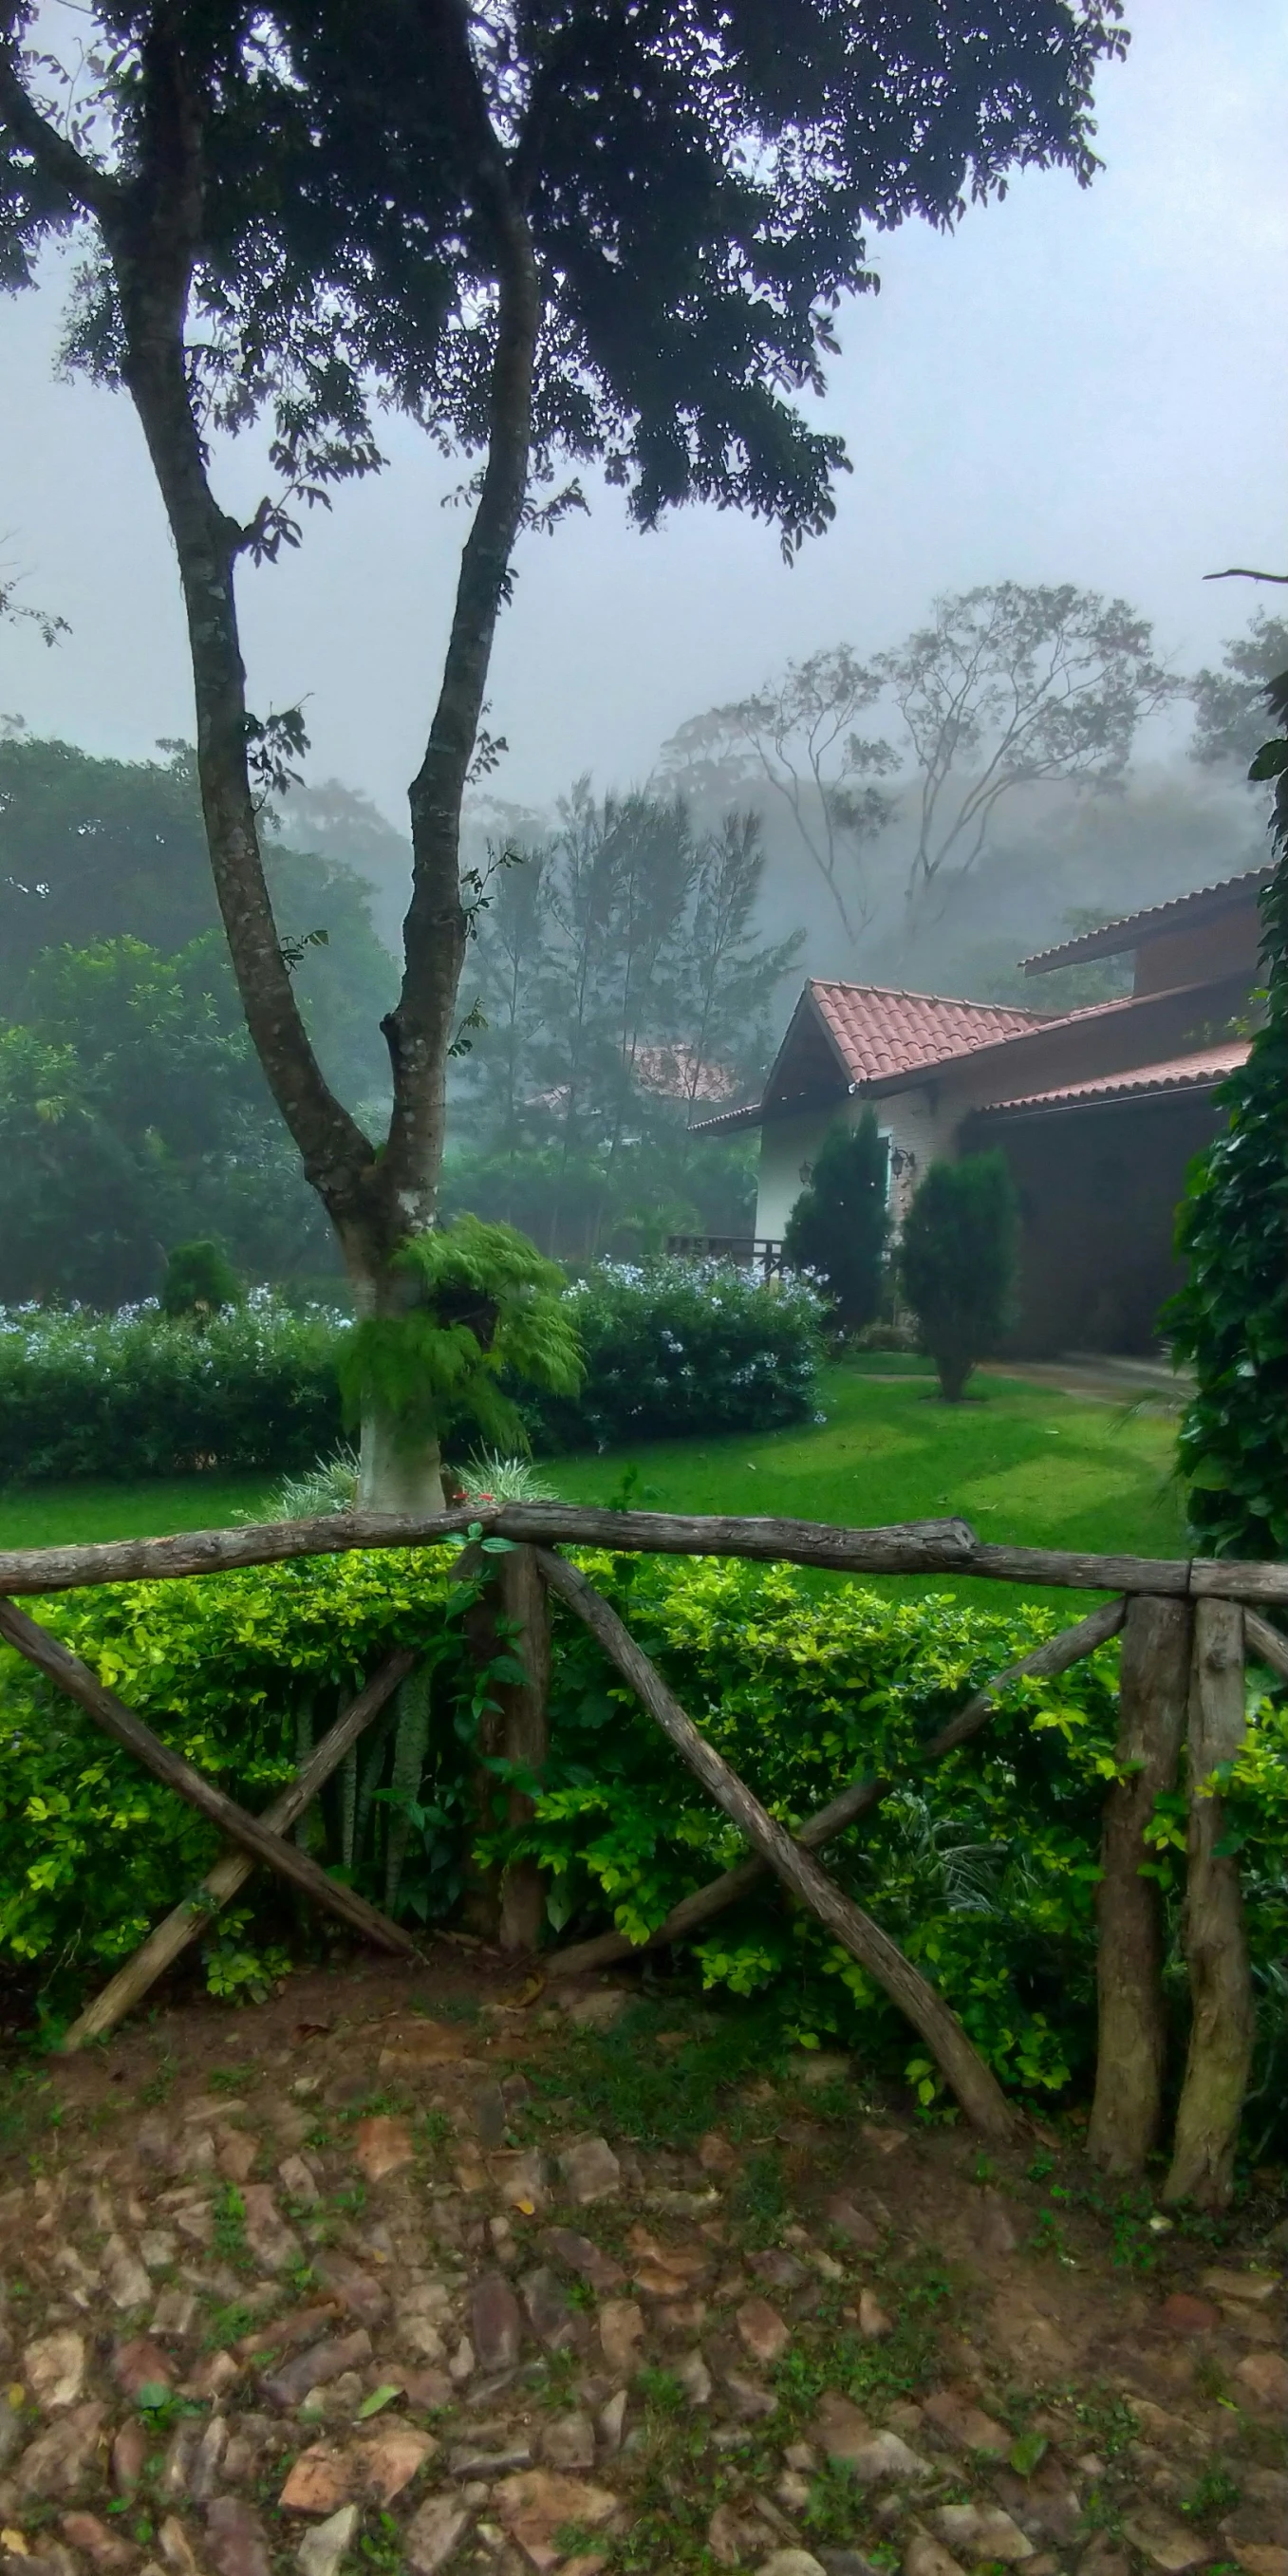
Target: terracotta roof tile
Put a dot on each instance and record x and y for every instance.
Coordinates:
(1177, 1073)
(878, 1031)
(1135, 928)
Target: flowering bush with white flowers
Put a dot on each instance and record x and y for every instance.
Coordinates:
(132, 1394)
(674, 1347)
(671, 1348)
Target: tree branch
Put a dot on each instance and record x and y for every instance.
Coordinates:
(1240, 572)
(96, 191)
(418, 1028)
(155, 238)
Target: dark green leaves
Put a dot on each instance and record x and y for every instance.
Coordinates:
(1230, 1320)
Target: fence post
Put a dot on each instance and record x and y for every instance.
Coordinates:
(1223, 2025)
(509, 1909)
(1132, 2045)
(525, 1734)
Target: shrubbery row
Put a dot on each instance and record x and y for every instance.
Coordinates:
(671, 1348)
(984, 1869)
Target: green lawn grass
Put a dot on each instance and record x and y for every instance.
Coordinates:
(1022, 1463)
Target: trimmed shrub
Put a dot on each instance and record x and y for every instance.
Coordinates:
(674, 1347)
(957, 1261)
(839, 1226)
(199, 1282)
(677, 1348)
(134, 1394)
(984, 1868)
(241, 1675)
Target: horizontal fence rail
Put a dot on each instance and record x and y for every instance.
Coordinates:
(905, 1547)
(1186, 1623)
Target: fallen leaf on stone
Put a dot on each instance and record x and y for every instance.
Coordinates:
(1025, 2454)
(380, 2397)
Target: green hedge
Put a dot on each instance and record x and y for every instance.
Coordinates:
(674, 1348)
(984, 1869)
(132, 1394)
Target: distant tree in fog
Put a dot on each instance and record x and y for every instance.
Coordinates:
(1230, 717)
(1008, 686)
(1013, 686)
(797, 736)
(623, 987)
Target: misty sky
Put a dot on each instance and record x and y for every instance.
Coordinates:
(1085, 386)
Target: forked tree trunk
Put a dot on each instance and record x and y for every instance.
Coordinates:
(395, 1474)
(1132, 2047)
(1223, 2028)
(153, 222)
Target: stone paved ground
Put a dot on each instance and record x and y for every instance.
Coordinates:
(401, 2271)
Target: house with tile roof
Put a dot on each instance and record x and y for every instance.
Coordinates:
(1098, 1111)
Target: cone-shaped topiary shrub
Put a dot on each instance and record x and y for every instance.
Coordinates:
(957, 1261)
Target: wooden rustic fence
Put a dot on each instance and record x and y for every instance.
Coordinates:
(1186, 1626)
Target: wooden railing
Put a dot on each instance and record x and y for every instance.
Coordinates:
(763, 1252)
(1186, 1625)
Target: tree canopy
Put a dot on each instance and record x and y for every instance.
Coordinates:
(1230, 703)
(94, 850)
(133, 1115)
(623, 992)
(554, 231)
(1008, 686)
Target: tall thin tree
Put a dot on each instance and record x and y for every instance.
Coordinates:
(614, 233)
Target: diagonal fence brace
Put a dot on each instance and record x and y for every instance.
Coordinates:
(187, 1921)
(1055, 1655)
(976, 2088)
(69, 1674)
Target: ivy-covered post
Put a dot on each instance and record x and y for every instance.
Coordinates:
(1230, 1320)
(507, 1629)
(1132, 2044)
(1223, 2024)
(524, 1604)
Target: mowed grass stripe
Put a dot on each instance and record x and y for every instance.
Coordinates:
(1024, 1463)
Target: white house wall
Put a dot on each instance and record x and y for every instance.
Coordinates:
(787, 1148)
(918, 1123)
